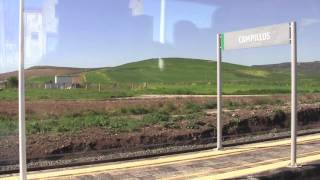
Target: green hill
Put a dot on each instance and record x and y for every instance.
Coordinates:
(178, 70)
(196, 76)
(185, 76)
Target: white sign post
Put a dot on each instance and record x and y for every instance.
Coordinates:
(22, 126)
(219, 93)
(260, 37)
(293, 94)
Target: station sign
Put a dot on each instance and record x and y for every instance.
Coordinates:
(256, 37)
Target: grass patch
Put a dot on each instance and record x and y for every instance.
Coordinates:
(191, 108)
(77, 122)
(156, 117)
(8, 126)
(210, 105)
(74, 124)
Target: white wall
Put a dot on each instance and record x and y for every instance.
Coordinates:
(63, 80)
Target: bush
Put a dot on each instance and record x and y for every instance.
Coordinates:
(192, 125)
(232, 105)
(171, 125)
(156, 117)
(210, 105)
(139, 111)
(8, 126)
(13, 82)
(170, 107)
(278, 118)
(124, 124)
(192, 108)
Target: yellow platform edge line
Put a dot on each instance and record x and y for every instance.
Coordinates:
(258, 169)
(160, 160)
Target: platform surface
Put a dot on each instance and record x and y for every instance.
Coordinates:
(231, 162)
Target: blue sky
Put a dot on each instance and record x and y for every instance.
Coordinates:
(99, 33)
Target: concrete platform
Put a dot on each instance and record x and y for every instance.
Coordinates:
(233, 162)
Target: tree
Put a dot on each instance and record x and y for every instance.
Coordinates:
(13, 82)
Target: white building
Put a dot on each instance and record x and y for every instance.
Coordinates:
(63, 79)
(65, 82)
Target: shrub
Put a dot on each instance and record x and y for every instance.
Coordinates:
(124, 110)
(156, 117)
(278, 118)
(170, 107)
(192, 108)
(8, 126)
(122, 124)
(138, 110)
(171, 125)
(13, 82)
(210, 105)
(194, 116)
(232, 105)
(192, 125)
(279, 102)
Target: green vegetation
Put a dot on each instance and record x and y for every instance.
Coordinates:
(124, 120)
(79, 94)
(191, 115)
(40, 79)
(8, 126)
(180, 76)
(70, 124)
(13, 82)
(98, 76)
(9, 94)
(112, 123)
(191, 108)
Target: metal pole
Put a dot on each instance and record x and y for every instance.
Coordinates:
(22, 131)
(219, 93)
(293, 95)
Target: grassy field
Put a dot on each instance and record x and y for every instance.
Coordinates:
(122, 120)
(125, 119)
(180, 76)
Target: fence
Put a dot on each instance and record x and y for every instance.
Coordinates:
(110, 86)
